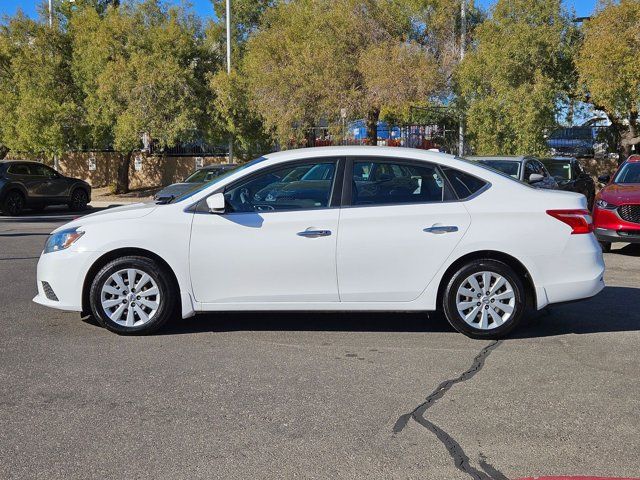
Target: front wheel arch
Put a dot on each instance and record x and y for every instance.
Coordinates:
(122, 252)
(514, 263)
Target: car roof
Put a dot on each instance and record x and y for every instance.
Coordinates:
(9, 162)
(508, 158)
(559, 159)
(218, 165)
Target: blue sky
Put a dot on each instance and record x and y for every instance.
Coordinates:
(205, 9)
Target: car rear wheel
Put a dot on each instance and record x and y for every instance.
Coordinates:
(484, 299)
(606, 246)
(132, 295)
(79, 200)
(13, 203)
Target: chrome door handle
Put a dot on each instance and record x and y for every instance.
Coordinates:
(314, 233)
(441, 229)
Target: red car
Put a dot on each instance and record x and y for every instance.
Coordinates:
(616, 213)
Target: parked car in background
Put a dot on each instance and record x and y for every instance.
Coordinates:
(586, 140)
(527, 169)
(571, 177)
(616, 213)
(34, 185)
(199, 177)
(382, 229)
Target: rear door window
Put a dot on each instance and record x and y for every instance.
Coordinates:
(20, 169)
(378, 182)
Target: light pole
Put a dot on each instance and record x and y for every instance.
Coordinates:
(463, 41)
(228, 21)
(56, 163)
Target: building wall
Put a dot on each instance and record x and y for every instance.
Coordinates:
(155, 171)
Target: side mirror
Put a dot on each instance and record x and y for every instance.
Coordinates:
(216, 203)
(535, 178)
(604, 178)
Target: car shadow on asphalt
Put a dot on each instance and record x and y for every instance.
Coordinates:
(631, 250)
(615, 309)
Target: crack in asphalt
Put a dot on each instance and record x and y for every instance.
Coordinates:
(460, 458)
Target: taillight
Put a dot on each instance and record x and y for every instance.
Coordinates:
(580, 221)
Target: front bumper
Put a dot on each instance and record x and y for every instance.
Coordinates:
(612, 236)
(610, 227)
(64, 273)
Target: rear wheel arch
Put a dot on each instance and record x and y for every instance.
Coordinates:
(118, 253)
(505, 258)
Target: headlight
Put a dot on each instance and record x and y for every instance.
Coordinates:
(62, 240)
(606, 205)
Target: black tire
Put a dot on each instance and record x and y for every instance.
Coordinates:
(606, 246)
(13, 204)
(79, 200)
(166, 299)
(460, 277)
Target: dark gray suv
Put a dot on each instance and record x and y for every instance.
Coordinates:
(34, 185)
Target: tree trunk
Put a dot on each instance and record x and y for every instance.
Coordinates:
(3, 151)
(372, 126)
(122, 182)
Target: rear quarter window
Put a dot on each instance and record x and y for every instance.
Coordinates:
(464, 184)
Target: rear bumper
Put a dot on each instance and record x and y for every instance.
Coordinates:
(574, 274)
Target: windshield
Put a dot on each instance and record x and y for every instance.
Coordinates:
(509, 167)
(499, 172)
(629, 173)
(205, 175)
(323, 171)
(197, 187)
(558, 169)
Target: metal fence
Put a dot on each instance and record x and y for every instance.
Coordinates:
(424, 137)
(582, 141)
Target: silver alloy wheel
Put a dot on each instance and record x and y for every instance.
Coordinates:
(130, 297)
(485, 300)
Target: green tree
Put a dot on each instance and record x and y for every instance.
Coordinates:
(607, 63)
(515, 79)
(141, 71)
(231, 114)
(311, 58)
(39, 101)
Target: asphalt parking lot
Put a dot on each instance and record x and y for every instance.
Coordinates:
(298, 395)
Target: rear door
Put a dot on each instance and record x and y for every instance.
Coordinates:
(400, 223)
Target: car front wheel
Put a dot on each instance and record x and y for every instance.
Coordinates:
(79, 200)
(484, 299)
(132, 295)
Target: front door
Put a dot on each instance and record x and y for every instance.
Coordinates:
(276, 241)
(48, 185)
(400, 227)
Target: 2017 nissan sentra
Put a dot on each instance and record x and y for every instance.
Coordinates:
(392, 229)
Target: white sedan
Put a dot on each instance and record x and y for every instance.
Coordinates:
(344, 228)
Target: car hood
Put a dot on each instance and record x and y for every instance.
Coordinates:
(618, 193)
(127, 212)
